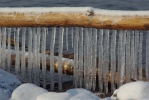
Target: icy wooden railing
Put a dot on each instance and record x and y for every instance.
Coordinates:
(104, 55)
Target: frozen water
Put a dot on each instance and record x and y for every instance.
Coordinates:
(80, 73)
(9, 51)
(67, 38)
(85, 58)
(140, 55)
(43, 57)
(23, 66)
(35, 56)
(29, 69)
(17, 61)
(60, 58)
(94, 57)
(3, 59)
(147, 56)
(52, 58)
(113, 59)
(106, 60)
(128, 57)
(100, 62)
(75, 74)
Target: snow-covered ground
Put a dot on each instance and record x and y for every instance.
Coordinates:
(12, 89)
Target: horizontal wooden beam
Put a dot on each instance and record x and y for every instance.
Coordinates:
(74, 20)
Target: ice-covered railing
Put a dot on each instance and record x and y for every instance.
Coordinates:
(100, 55)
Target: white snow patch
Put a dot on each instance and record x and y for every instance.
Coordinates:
(54, 96)
(109, 98)
(27, 92)
(71, 10)
(82, 94)
(133, 90)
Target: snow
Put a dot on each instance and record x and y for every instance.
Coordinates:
(54, 96)
(133, 90)
(27, 92)
(71, 10)
(82, 94)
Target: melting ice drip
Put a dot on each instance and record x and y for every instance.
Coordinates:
(119, 56)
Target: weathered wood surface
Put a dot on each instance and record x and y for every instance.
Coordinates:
(74, 20)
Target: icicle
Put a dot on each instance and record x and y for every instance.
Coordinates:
(1, 49)
(136, 54)
(35, 56)
(52, 58)
(38, 55)
(113, 60)
(14, 38)
(67, 38)
(85, 58)
(81, 58)
(30, 55)
(23, 66)
(4, 48)
(90, 69)
(75, 74)
(94, 53)
(119, 58)
(128, 65)
(106, 60)
(147, 56)
(140, 55)
(9, 51)
(60, 50)
(100, 62)
(17, 62)
(43, 57)
(122, 51)
(72, 36)
(132, 54)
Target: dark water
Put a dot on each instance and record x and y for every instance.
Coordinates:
(103, 4)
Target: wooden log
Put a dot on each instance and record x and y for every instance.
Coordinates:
(88, 19)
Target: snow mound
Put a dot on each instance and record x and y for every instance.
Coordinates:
(27, 92)
(54, 96)
(8, 82)
(82, 94)
(134, 90)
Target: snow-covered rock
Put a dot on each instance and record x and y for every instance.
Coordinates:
(8, 83)
(82, 94)
(54, 96)
(134, 90)
(27, 92)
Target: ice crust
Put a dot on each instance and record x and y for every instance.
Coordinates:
(71, 10)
